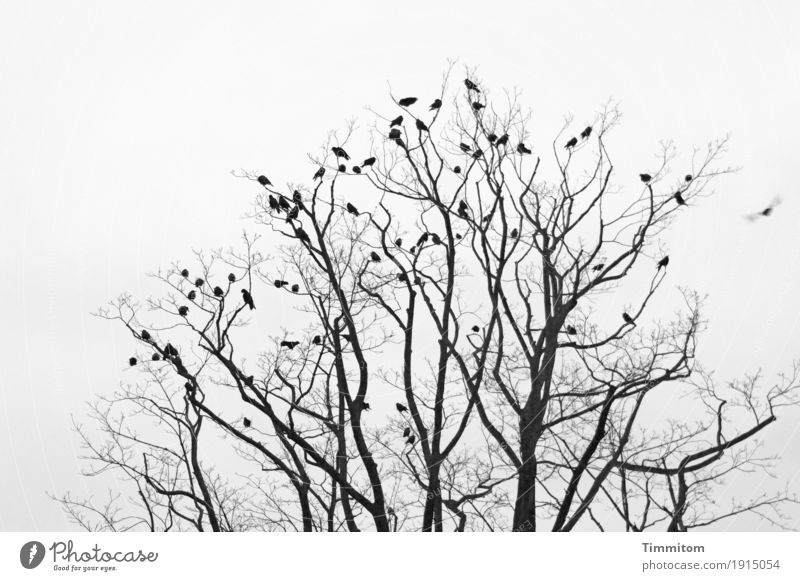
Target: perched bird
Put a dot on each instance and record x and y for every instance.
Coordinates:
(421, 125)
(514, 233)
(407, 101)
(422, 239)
(191, 296)
(475, 328)
(477, 106)
(279, 283)
(571, 330)
(264, 181)
(477, 153)
(295, 288)
(316, 340)
(586, 132)
(185, 273)
(132, 361)
(411, 439)
(645, 177)
(320, 172)
(688, 177)
(344, 336)
(339, 152)
(492, 137)
(398, 242)
(199, 282)
(290, 344)
(342, 168)
(247, 422)
(663, 263)
(502, 140)
(374, 256)
(145, 335)
(598, 267)
(463, 210)
(370, 161)
(435, 238)
(394, 133)
(297, 197)
(218, 292)
(571, 143)
(248, 299)
(356, 169)
(457, 169)
(231, 277)
(170, 351)
(183, 311)
(435, 105)
(302, 235)
(401, 408)
(396, 121)
(273, 204)
(521, 148)
(406, 432)
(351, 209)
(627, 318)
(365, 406)
(464, 147)
(458, 236)
(402, 277)
(155, 357)
(293, 214)
(284, 203)
(249, 380)
(679, 198)
(471, 86)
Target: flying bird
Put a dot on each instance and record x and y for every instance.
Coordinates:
(218, 292)
(351, 209)
(645, 177)
(521, 148)
(339, 152)
(663, 263)
(319, 174)
(401, 408)
(185, 273)
(471, 86)
(766, 211)
(264, 181)
(290, 344)
(435, 105)
(132, 361)
(627, 318)
(407, 101)
(248, 299)
(586, 132)
(571, 143)
(421, 125)
(370, 161)
(396, 121)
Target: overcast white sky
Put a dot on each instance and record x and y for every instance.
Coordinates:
(120, 122)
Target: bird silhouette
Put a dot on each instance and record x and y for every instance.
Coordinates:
(279, 283)
(145, 334)
(477, 153)
(571, 330)
(406, 432)
(471, 86)
(627, 318)
(491, 137)
(293, 214)
(586, 132)
(170, 351)
(316, 340)
(247, 422)
(342, 168)
(679, 198)
(571, 143)
(475, 328)
(297, 197)
(422, 239)
(351, 209)
(248, 299)
(370, 161)
(284, 203)
(401, 408)
(411, 439)
(231, 277)
(598, 267)
(402, 277)
(264, 181)
(394, 133)
(132, 361)
(663, 263)
(421, 125)
(374, 256)
(521, 148)
(185, 273)
(320, 172)
(365, 406)
(396, 121)
(407, 101)
(645, 177)
(463, 210)
(398, 242)
(198, 282)
(155, 357)
(249, 380)
(766, 211)
(339, 152)
(464, 147)
(295, 288)
(191, 296)
(435, 238)
(458, 236)
(290, 344)
(514, 233)
(302, 235)
(356, 169)
(502, 140)
(273, 204)
(218, 292)
(457, 169)
(687, 177)
(435, 105)
(477, 106)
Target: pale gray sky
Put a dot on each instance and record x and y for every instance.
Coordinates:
(119, 124)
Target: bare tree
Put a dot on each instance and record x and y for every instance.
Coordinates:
(467, 286)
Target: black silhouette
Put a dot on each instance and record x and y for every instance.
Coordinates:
(464, 147)
(645, 177)
(435, 238)
(264, 181)
(766, 211)
(370, 161)
(185, 273)
(320, 172)
(248, 299)
(170, 351)
(280, 283)
(502, 140)
(295, 288)
(199, 282)
(401, 408)
(293, 214)
(249, 380)
(351, 209)
(627, 318)
(571, 143)
(339, 152)
(218, 292)
(435, 105)
(422, 239)
(231, 277)
(273, 204)
(477, 153)
(374, 256)
(284, 203)
(407, 101)
(421, 125)
(457, 169)
(491, 137)
(688, 177)
(679, 198)
(471, 86)
(663, 263)
(398, 242)
(396, 121)
(394, 134)
(571, 330)
(247, 423)
(402, 277)
(586, 133)
(316, 340)
(132, 361)
(406, 432)
(411, 439)
(477, 106)
(290, 344)
(302, 235)
(145, 334)
(475, 328)
(155, 357)
(191, 296)
(462, 210)
(521, 148)
(342, 168)
(598, 267)
(365, 406)
(356, 169)
(514, 233)
(297, 197)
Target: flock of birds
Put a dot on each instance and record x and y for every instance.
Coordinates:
(280, 203)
